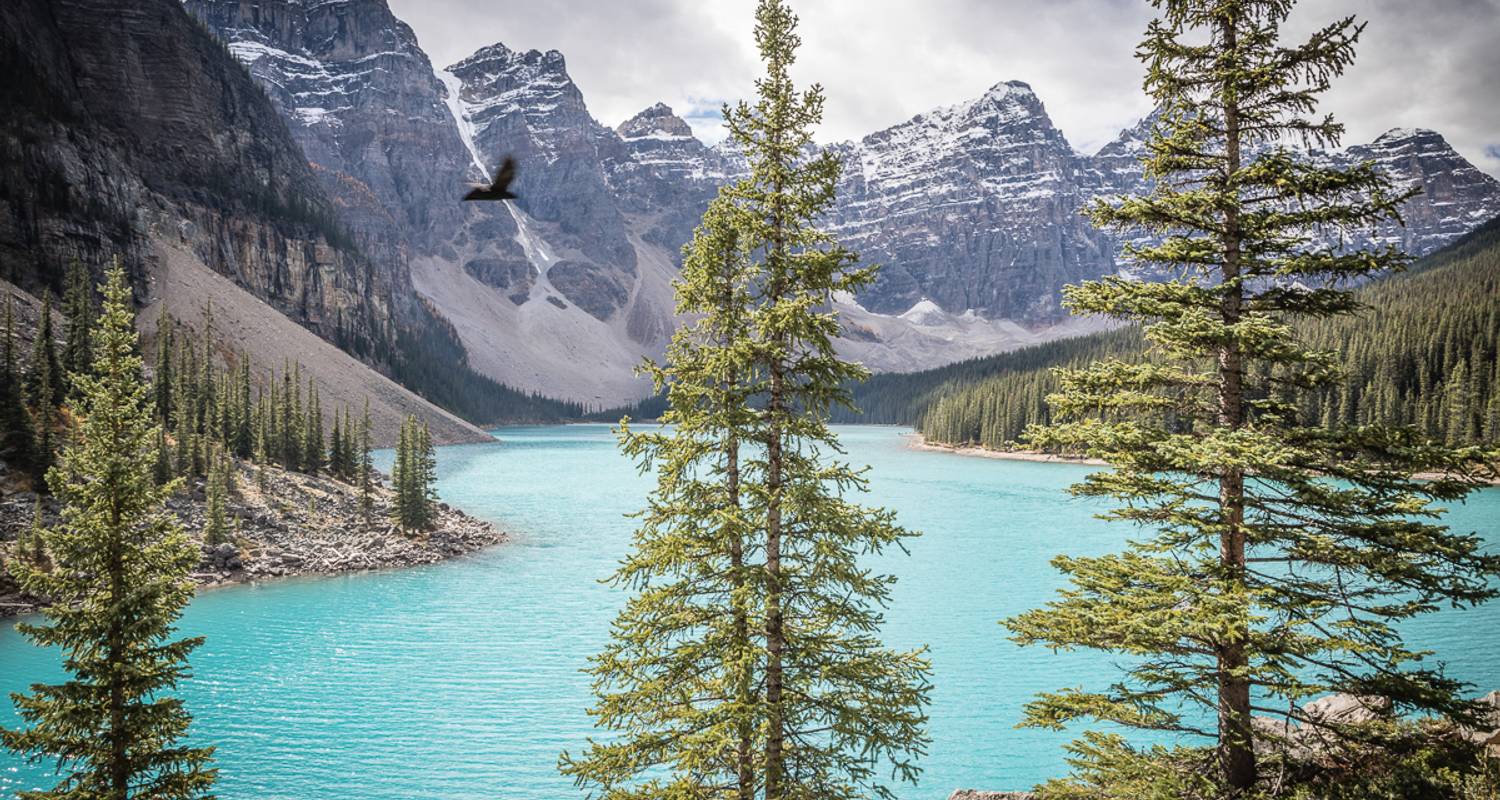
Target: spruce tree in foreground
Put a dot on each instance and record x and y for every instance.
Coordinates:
(118, 582)
(1278, 558)
(748, 663)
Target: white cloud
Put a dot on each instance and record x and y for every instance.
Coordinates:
(1428, 64)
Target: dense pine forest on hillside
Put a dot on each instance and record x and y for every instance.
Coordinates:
(1423, 352)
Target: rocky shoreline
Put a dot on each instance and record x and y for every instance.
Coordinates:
(916, 441)
(1309, 741)
(284, 524)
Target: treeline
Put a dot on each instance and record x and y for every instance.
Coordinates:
(1424, 352)
(208, 411)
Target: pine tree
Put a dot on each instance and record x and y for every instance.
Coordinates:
(366, 467)
(161, 468)
(216, 524)
(207, 390)
(424, 467)
(45, 384)
(336, 448)
(17, 438)
(78, 306)
(289, 422)
(121, 579)
(413, 476)
(747, 663)
(244, 421)
(313, 453)
(1278, 557)
(401, 476)
(163, 381)
(32, 547)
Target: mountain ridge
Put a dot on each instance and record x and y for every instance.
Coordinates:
(971, 207)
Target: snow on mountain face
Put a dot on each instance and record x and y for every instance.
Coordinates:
(973, 210)
(664, 176)
(978, 206)
(1455, 197)
(974, 206)
(360, 97)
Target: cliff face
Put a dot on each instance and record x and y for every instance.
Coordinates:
(128, 123)
(663, 176)
(974, 206)
(364, 104)
(972, 210)
(525, 104)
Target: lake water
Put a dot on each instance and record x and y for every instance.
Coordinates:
(461, 681)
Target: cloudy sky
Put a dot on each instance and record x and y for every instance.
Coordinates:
(1423, 63)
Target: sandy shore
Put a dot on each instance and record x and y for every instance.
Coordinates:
(915, 441)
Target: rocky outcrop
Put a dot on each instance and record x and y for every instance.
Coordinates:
(664, 176)
(526, 105)
(284, 523)
(1487, 734)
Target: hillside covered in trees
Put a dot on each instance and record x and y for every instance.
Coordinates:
(1424, 351)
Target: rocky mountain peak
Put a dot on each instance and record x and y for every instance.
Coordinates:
(658, 121)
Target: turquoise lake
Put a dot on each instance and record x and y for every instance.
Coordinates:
(461, 681)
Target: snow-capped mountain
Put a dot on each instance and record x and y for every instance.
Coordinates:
(972, 209)
(974, 206)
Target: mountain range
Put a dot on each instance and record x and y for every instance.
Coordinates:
(972, 210)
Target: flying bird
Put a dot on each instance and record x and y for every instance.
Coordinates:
(500, 189)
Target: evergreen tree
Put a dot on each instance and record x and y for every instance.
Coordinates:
(748, 663)
(336, 447)
(313, 453)
(32, 546)
(161, 469)
(1278, 557)
(121, 579)
(207, 388)
(216, 525)
(163, 382)
(424, 467)
(401, 476)
(288, 422)
(78, 306)
(244, 421)
(366, 467)
(413, 476)
(45, 382)
(17, 438)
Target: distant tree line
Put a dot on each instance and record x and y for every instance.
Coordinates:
(1425, 351)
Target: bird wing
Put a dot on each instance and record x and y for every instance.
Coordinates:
(506, 174)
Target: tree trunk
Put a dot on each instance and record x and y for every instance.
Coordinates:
(119, 736)
(775, 642)
(744, 763)
(1236, 750)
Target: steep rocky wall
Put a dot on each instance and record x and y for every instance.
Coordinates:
(128, 121)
